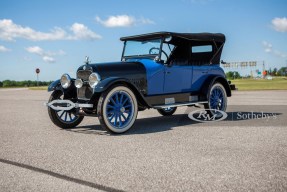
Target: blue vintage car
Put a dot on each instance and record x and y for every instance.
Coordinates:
(162, 70)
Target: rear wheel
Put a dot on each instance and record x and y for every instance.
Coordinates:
(167, 111)
(117, 109)
(61, 118)
(217, 100)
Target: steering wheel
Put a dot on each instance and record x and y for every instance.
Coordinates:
(156, 48)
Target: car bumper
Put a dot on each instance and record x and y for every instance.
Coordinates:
(66, 105)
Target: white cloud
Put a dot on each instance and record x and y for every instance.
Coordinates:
(279, 54)
(48, 59)
(37, 50)
(46, 55)
(268, 48)
(82, 32)
(146, 21)
(280, 24)
(10, 31)
(123, 21)
(117, 21)
(4, 49)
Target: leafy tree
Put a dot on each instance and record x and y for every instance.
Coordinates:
(12, 83)
(233, 75)
(282, 71)
(274, 72)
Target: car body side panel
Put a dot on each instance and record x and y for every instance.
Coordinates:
(178, 79)
(199, 75)
(154, 76)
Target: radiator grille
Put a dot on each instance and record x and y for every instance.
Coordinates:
(86, 91)
(84, 75)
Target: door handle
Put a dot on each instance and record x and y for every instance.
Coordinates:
(167, 72)
(204, 72)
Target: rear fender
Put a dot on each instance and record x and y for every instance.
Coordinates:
(210, 81)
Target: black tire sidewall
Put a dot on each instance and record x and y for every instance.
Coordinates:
(55, 118)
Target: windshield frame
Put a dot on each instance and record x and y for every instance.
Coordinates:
(156, 57)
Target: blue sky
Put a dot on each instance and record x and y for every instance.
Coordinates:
(55, 36)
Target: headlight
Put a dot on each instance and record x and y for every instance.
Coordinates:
(78, 83)
(65, 81)
(94, 79)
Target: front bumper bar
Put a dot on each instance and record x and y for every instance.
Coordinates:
(66, 105)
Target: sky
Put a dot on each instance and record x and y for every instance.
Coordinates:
(56, 35)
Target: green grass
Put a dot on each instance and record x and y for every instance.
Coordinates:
(278, 83)
(38, 88)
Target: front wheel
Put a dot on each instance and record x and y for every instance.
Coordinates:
(117, 109)
(167, 111)
(217, 100)
(61, 118)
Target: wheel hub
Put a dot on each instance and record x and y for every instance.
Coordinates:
(122, 109)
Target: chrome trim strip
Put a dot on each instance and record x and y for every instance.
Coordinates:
(70, 105)
(178, 104)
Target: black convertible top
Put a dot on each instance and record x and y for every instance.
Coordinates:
(217, 37)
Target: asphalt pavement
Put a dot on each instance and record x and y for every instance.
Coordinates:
(247, 151)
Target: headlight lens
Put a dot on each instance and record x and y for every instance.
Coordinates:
(94, 79)
(65, 81)
(78, 83)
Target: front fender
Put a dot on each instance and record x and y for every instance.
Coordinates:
(56, 85)
(70, 92)
(108, 82)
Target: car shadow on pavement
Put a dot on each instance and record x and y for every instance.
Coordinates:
(141, 126)
(166, 123)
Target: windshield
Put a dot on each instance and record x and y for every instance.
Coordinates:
(148, 48)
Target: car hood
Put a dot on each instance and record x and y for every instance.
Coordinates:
(130, 70)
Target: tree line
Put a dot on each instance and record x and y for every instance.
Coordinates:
(273, 72)
(28, 83)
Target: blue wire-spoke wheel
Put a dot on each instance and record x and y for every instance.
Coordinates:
(167, 111)
(66, 116)
(62, 118)
(217, 100)
(119, 109)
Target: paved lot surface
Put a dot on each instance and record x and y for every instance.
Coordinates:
(245, 152)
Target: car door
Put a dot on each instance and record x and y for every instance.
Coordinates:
(178, 71)
(177, 79)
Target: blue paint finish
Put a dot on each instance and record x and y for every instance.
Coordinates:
(216, 70)
(155, 75)
(162, 79)
(202, 72)
(178, 79)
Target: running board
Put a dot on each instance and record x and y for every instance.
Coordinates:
(178, 104)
